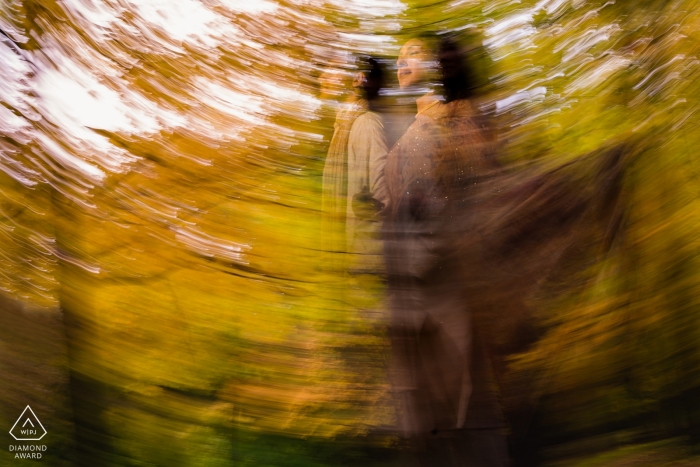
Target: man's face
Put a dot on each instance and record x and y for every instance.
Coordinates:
(412, 63)
(333, 84)
(358, 80)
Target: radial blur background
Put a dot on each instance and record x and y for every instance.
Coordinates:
(162, 295)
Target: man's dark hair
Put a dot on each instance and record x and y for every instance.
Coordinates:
(375, 79)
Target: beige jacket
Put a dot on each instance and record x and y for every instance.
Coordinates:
(367, 153)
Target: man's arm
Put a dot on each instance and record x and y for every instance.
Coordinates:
(369, 140)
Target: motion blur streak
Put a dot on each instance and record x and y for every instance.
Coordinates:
(164, 300)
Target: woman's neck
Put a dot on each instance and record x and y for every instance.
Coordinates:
(423, 102)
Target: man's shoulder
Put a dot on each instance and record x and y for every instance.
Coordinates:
(369, 119)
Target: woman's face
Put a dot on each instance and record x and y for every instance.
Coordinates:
(413, 63)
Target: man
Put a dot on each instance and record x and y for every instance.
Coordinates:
(353, 180)
(367, 191)
(354, 193)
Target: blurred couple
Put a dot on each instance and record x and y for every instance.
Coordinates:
(402, 215)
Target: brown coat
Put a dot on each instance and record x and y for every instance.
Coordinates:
(430, 174)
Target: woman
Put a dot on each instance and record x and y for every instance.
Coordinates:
(439, 376)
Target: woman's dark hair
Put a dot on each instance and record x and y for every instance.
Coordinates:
(457, 78)
(457, 74)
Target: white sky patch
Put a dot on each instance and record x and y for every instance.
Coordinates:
(76, 99)
(457, 3)
(550, 6)
(160, 26)
(664, 85)
(68, 160)
(16, 169)
(11, 123)
(75, 95)
(514, 29)
(371, 38)
(9, 9)
(651, 74)
(94, 16)
(210, 246)
(15, 123)
(246, 95)
(250, 6)
(509, 22)
(287, 96)
(367, 43)
(77, 261)
(521, 97)
(589, 39)
(598, 74)
(370, 8)
(13, 85)
(243, 103)
(183, 21)
(245, 107)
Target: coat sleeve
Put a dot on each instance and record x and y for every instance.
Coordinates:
(368, 144)
(377, 160)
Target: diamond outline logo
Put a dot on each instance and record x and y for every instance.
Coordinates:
(30, 422)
